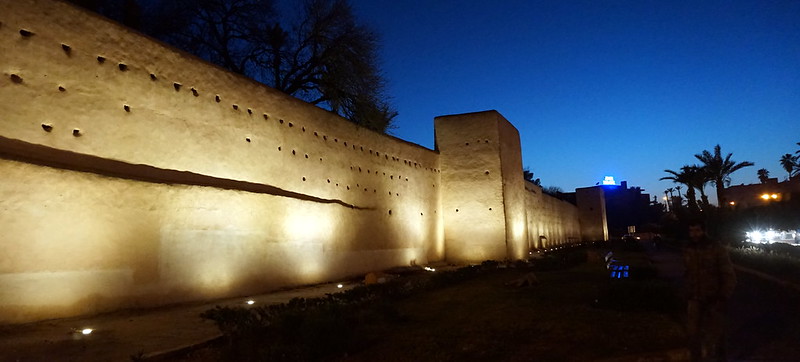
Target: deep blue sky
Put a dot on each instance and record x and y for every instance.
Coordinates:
(622, 88)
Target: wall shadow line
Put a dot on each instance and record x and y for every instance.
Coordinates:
(17, 150)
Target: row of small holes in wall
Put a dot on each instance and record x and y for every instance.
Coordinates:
(48, 127)
(352, 168)
(16, 78)
(391, 177)
(124, 67)
(177, 86)
(361, 148)
(420, 214)
(490, 209)
(294, 153)
(478, 141)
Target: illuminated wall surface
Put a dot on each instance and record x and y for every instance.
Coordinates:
(135, 175)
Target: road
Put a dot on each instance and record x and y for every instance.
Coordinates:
(764, 316)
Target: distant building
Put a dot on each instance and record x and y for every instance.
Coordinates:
(746, 196)
(624, 207)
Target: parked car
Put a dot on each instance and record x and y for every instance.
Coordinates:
(631, 238)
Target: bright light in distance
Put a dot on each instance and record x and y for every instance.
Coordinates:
(732, 203)
(430, 269)
(765, 196)
(774, 196)
(771, 235)
(250, 302)
(339, 286)
(87, 331)
(609, 180)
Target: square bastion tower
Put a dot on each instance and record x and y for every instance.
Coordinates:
(483, 189)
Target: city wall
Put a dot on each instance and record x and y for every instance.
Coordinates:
(135, 175)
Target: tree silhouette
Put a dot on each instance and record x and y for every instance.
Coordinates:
(554, 191)
(763, 175)
(528, 175)
(324, 57)
(701, 178)
(790, 164)
(720, 169)
(687, 176)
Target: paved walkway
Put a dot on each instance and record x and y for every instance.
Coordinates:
(121, 335)
(668, 261)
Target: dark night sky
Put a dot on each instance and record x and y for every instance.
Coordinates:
(596, 88)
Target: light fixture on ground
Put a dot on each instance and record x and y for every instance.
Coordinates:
(86, 331)
(340, 286)
(250, 302)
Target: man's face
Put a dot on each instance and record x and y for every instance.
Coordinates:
(696, 233)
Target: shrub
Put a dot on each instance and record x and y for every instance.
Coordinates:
(779, 260)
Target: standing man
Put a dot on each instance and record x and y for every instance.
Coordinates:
(710, 280)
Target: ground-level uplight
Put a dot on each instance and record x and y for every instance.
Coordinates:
(87, 331)
(250, 302)
(430, 269)
(340, 286)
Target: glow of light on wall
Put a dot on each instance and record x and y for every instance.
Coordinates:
(609, 180)
(309, 224)
(217, 274)
(212, 236)
(414, 227)
(518, 236)
(309, 229)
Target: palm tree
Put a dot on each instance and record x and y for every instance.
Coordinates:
(720, 169)
(701, 178)
(688, 177)
(763, 175)
(790, 164)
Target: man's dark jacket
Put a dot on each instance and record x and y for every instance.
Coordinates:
(709, 271)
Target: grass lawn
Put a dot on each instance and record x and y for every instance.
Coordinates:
(481, 319)
(576, 314)
(779, 260)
